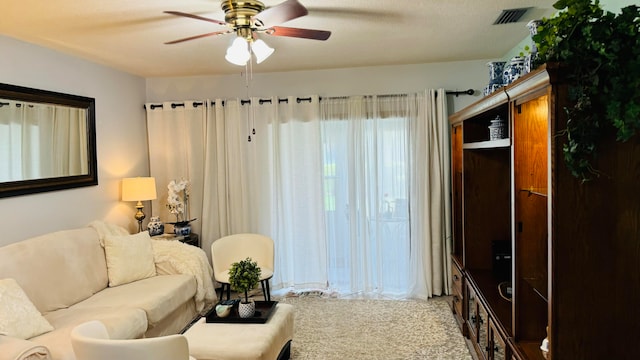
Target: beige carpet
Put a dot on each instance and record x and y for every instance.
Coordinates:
(329, 328)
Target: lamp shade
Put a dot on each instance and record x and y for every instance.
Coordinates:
(138, 189)
(261, 50)
(238, 53)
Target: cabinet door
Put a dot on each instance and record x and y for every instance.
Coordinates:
(483, 331)
(456, 276)
(531, 205)
(499, 350)
(472, 314)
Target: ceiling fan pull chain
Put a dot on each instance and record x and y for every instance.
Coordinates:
(253, 108)
(247, 72)
(253, 120)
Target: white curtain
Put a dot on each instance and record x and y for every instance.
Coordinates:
(366, 149)
(176, 134)
(430, 201)
(354, 191)
(296, 198)
(42, 141)
(386, 190)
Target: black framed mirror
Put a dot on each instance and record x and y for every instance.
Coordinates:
(47, 141)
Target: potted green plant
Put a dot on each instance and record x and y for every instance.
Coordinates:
(244, 275)
(599, 55)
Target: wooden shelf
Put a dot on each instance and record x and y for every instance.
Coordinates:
(530, 350)
(502, 197)
(534, 191)
(539, 286)
(458, 260)
(502, 143)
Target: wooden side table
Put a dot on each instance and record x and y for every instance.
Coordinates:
(191, 239)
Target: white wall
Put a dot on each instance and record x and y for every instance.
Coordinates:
(121, 141)
(121, 131)
(338, 82)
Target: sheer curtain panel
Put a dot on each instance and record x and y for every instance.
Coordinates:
(354, 191)
(386, 193)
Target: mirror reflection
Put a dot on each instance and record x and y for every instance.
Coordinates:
(47, 141)
(41, 141)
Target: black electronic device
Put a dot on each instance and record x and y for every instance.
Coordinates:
(501, 263)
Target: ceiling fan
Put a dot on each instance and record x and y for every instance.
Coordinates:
(247, 18)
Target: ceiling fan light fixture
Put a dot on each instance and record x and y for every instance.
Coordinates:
(247, 19)
(261, 50)
(238, 53)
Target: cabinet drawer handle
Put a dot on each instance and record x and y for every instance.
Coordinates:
(455, 277)
(455, 298)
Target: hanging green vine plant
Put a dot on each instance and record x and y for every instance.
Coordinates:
(599, 52)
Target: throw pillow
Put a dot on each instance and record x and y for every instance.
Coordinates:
(129, 258)
(20, 318)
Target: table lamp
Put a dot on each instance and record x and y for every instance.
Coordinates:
(139, 189)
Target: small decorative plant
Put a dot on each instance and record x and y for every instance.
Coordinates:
(244, 275)
(178, 201)
(599, 55)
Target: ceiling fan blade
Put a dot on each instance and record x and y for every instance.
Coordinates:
(199, 36)
(281, 13)
(299, 33)
(178, 13)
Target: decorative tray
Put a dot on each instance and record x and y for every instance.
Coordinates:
(263, 312)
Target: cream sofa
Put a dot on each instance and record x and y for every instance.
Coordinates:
(68, 277)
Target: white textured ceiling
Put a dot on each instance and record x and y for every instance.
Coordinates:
(130, 34)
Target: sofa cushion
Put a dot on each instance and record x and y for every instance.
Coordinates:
(121, 322)
(58, 269)
(158, 296)
(19, 317)
(129, 258)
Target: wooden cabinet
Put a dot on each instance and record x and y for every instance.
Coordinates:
(471, 313)
(457, 305)
(498, 349)
(482, 344)
(569, 250)
(487, 341)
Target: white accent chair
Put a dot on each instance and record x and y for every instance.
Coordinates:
(90, 341)
(233, 248)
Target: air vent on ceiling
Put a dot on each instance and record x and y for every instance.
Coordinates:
(510, 16)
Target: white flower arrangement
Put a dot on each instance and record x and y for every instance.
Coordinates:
(178, 200)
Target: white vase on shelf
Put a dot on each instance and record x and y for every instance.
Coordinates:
(497, 128)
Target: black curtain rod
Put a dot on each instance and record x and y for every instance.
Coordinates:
(262, 101)
(17, 104)
(173, 105)
(461, 92)
(242, 102)
(299, 100)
